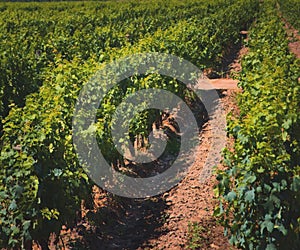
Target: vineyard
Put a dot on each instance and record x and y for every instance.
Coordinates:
(50, 50)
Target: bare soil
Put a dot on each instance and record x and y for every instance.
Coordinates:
(294, 39)
(293, 36)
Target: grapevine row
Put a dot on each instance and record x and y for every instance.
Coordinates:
(33, 35)
(260, 189)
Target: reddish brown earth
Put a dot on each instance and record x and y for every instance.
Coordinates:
(226, 83)
(193, 202)
(294, 39)
(293, 36)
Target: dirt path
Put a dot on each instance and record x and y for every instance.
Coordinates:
(192, 201)
(293, 35)
(189, 220)
(294, 40)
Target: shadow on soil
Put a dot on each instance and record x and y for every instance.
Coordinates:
(126, 224)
